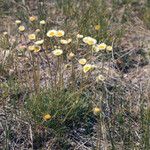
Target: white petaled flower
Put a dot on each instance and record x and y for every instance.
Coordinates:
(82, 61)
(51, 33)
(100, 78)
(102, 46)
(109, 48)
(40, 42)
(18, 21)
(90, 41)
(60, 33)
(62, 41)
(95, 48)
(79, 36)
(87, 68)
(57, 52)
(42, 22)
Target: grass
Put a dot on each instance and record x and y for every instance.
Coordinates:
(61, 102)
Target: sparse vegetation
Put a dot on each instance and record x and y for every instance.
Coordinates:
(74, 75)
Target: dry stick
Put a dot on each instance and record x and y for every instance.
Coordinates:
(50, 71)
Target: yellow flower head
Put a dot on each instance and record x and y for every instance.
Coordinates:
(62, 41)
(96, 110)
(32, 18)
(71, 55)
(18, 21)
(37, 30)
(60, 33)
(40, 42)
(5, 33)
(37, 48)
(42, 22)
(31, 48)
(109, 48)
(57, 52)
(82, 61)
(47, 117)
(31, 36)
(95, 48)
(90, 41)
(51, 33)
(21, 28)
(87, 68)
(79, 36)
(97, 27)
(100, 78)
(102, 46)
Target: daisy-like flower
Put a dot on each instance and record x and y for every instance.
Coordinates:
(96, 110)
(37, 30)
(79, 36)
(100, 78)
(5, 33)
(60, 33)
(32, 18)
(109, 48)
(82, 61)
(40, 42)
(21, 28)
(102, 46)
(90, 41)
(87, 68)
(47, 117)
(31, 36)
(37, 48)
(62, 41)
(31, 48)
(95, 48)
(97, 27)
(42, 22)
(71, 55)
(57, 52)
(18, 21)
(51, 33)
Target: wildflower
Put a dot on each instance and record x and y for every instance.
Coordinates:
(100, 78)
(37, 30)
(57, 52)
(42, 22)
(62, 41)
(18, 21)
(87, 68)
(71, 55)
(90, 41)
(60, 33)
(40, 42)
(47, 117)
(31, 47)
(32, 18)
(5, 33)
(51, 33)
(95, 48)
(79, 36)
(31, 36)
(37, 48)
(21, 28)
(82, 61)
(96, 110)
(109, 48)
(67, 66)
(102, 46)
(97, 27)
